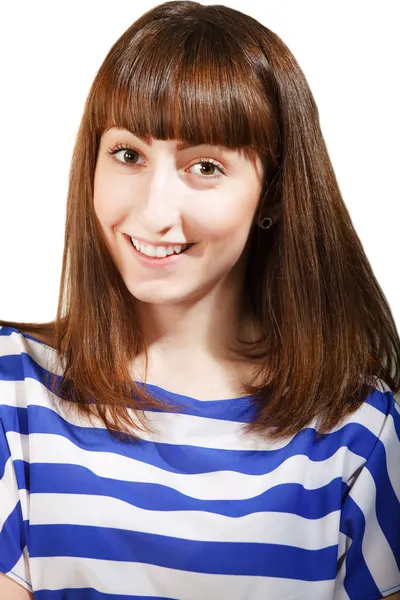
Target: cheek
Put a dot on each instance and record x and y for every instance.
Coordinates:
(100, 194)
(230, 217)
(109, 199)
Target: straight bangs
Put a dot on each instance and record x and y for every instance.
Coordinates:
(192, 83)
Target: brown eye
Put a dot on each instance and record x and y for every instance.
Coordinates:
(207, 168)
(124, 154)
(129, 156)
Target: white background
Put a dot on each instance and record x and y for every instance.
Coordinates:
(50, 53)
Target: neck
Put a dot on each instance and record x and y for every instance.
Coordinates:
(187, 340)
(203, 326)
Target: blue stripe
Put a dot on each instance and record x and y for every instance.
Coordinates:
(358, 581)
(11, 368)
(240, 410)
(387, 504)
(251, 559)
(396, 420)
(23, 474)
(12, 538)
(285, 498)
(15, 418)
(382, 401)
(186, 458)
(4, 450)
(7, 331)
(90, 594)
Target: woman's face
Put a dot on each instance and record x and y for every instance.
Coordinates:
(165, 194)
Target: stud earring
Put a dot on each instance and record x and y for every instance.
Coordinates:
(264, 222)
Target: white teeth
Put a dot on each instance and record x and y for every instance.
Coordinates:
(161, 252)
(158, 251)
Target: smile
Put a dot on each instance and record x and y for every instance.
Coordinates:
(158, 251)
(158, 257)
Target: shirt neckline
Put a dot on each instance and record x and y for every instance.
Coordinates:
(174, 397)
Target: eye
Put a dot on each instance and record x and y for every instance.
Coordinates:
(124, 154)
(208, 167)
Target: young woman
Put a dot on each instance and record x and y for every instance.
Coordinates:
(211, 415)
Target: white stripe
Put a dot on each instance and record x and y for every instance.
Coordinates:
(375, 547)
(340, 593)
(368, 416)
(224, 485)
(16, 343)
(24, 496)
(140, 579)
(19, 445)
(10, 344)
(262, 527)
(8, 492)
(13, 393)
(381, 385)
(344, 543)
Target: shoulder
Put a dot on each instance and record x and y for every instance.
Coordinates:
(370, 511)
(16, 343)
(379, 409)
(26, 400)
(380, 404)
(24, 362)
(43, 332)
(370, 437)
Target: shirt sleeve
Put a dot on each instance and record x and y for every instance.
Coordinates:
(370, 517)
(14, 560)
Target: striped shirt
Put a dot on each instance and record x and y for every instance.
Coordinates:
(194, 510)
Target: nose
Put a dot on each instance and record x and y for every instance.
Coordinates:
(159, 206)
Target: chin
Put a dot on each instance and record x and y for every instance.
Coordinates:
(158, 293)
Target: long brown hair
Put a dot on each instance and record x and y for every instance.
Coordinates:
(211, 74)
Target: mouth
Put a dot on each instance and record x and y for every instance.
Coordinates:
(158, 255)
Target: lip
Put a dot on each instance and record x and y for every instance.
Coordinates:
(156, 263)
